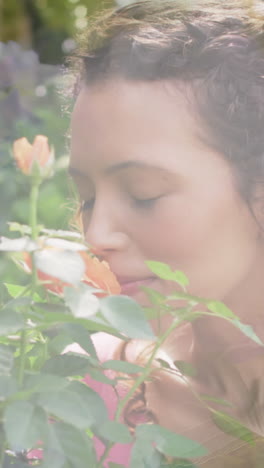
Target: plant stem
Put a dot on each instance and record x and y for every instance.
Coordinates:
(148, 368)
(34, 234)
(33, 208)
(34, 227)
(145, 374)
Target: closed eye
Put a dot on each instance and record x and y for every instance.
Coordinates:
(145, 202)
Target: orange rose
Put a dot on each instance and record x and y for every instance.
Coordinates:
(26, 154)
(97, 274)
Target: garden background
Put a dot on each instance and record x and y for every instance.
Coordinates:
(36, 36)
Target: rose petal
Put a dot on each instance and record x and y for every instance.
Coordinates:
(23, 151)
(41, 150)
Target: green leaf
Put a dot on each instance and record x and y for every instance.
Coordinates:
(163, 271)
(65, 265)
(22, 228)
(68, 407)
(144, 455)
(186, 368)
(19, 302)
(92, 400)
(82, 303)
(233, 427)
(48, 319)
(10, 322)
(6, 360)
(98, 375)
(57, 344)
(115, 432)
(8, 386)
(37, 355)
(220, 309)
(78, 405)
(24, 424)
(163, 363)
(14, 290)
(127, 316)
(248, 331)
(122, 366)
(53, 456)
(67, 364)
(82, 337)
(154, 296)
(190, 298)
(51, 308)
(72, 444)
(42, 383)
(169, 443)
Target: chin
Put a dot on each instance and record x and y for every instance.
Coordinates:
(141, 298)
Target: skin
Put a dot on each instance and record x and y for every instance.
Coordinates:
(198, 222)
(143, 141)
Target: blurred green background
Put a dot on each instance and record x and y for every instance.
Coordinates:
(35, 38)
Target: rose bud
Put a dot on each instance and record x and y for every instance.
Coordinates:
(39, 155)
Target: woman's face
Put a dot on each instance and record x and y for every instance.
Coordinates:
(151, 189)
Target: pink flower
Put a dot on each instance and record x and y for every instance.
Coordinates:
(39, 152)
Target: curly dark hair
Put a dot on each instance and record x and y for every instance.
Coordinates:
(217, 48)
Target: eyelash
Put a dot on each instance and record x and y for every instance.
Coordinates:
(145, 202)
(138, 202)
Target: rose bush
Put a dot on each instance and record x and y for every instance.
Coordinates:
(39, 153)
(44, 404)
(96, 274)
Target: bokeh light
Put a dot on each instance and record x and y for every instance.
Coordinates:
(80, 11)
(81, 23)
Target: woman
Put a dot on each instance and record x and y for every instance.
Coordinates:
(167, 153)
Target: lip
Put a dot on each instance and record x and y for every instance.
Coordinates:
(129, 287)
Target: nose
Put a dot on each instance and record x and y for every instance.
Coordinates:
(104, 230)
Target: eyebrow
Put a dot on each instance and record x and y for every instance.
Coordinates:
(119, 167)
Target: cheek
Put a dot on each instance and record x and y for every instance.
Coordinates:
(175, 229)
(183, 226)
(212, 241)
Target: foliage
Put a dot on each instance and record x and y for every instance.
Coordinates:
(30, 104)
(45, 25)
(48, 416)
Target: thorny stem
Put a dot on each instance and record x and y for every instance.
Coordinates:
(145, 374)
